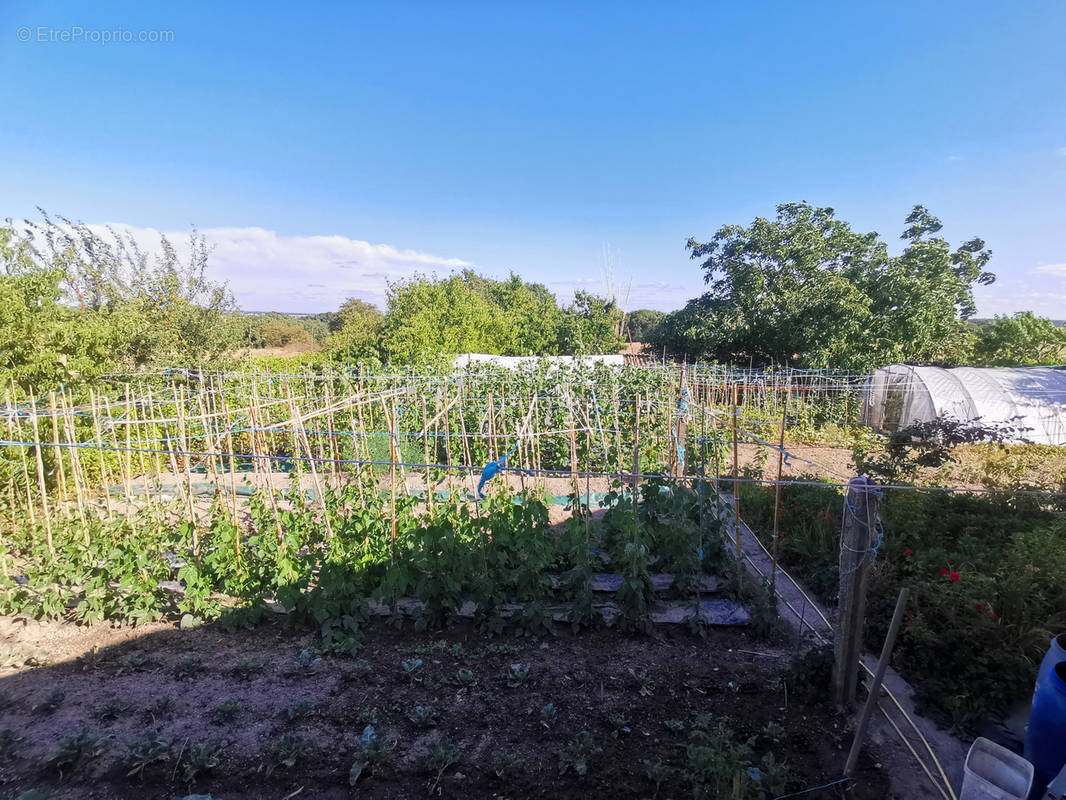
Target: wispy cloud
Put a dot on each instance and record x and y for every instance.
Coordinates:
(1053, 269)
(954, 158)
(1061, 152)
(270, 272)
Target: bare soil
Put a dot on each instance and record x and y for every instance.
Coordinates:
(637, 696)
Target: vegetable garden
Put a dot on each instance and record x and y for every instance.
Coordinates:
(506, 502)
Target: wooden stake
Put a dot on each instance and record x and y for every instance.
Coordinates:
(857, 539)
(777, 492)
(875, 683)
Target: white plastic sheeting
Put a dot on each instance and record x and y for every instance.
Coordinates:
(1035, 398)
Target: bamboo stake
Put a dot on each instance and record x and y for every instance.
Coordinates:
(17, 437)
(430, 489)
(636, 473)
(76, 470)
(131, 413)
(232, 460)
(209, 446)
(573, 444)
(40, 475)
(179, 410)
(301, 434)
(150, 434)
(127, 491)
(253, 416)
(100, 453)
(392, 482)
(57, 450)
(736, 500)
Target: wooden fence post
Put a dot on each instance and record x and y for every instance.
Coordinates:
(857, 538)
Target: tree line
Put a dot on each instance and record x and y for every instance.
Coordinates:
(803, 288)
(76, 304)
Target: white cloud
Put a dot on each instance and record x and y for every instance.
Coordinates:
(953, 158)
(1053, 269)
(269, 272)
(1061, 152)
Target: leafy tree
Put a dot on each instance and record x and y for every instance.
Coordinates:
(531, 317)
(432, 320)
(590, 325)
(42, 342)
(436, 318)
(279, 333)
(643, 323)
(357, 336)
(1021, 340)
(163, 308)
(806, 288)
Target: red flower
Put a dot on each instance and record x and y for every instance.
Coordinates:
(943, 570)
(979, 607)
(910, 613)
(991, 615)
(908, 552)
(955, 577)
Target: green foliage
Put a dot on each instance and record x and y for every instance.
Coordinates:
(578, 753)
(371, 751)
(76, 750)
(807, 289)
(430, 320)
(355, 333)
(987, 574)
(201, 758)
(288, 750)
(1020, 340)
(148, 751)
(278, 333)
(642, 324)
(75, 304)
(442, 754)
(590, 324)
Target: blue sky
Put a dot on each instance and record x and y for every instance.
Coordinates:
(326, 148)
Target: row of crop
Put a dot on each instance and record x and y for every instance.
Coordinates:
(987, 574)
(500, 552)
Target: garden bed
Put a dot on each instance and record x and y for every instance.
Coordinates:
(693, 714)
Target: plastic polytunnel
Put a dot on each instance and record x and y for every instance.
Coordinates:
(1031, 399)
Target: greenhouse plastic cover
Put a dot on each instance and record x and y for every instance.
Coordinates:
(1034, 398)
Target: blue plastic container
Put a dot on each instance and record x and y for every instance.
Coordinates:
(1045, 738)
(1055, 654)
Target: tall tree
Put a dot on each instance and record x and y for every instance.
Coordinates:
(806, 288)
